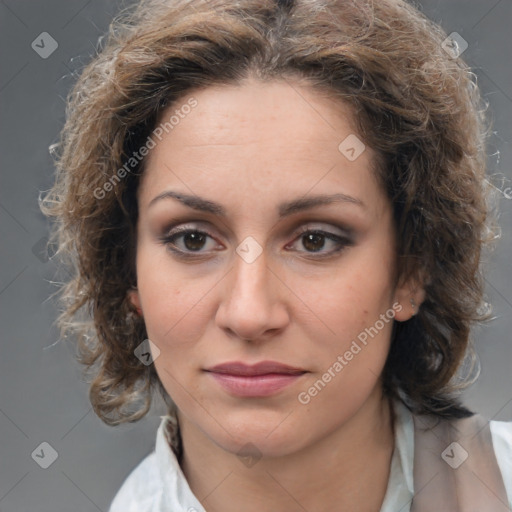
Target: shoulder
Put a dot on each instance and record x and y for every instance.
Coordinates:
(502, 442)
(434, 436)
(141, 489)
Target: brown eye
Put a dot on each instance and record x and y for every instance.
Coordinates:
(314, 241)
(192, 241)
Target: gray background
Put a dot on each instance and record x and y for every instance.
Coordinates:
(43, 397)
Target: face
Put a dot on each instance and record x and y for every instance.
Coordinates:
(254, 269)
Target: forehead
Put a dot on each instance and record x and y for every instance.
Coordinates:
(278, 137)
(254, 111)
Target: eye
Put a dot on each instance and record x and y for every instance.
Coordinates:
(315, 240)
(187, 242)
(192, 240)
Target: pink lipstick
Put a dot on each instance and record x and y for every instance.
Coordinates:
(259, 380)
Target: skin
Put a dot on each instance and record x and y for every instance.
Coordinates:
(250, 147)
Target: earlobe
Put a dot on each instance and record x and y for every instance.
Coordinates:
(134, 298)
(410, 299)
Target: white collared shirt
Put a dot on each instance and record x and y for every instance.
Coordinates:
(158, 484)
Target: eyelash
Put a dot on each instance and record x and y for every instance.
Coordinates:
(169, 240)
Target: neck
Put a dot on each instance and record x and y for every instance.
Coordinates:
(346, 470)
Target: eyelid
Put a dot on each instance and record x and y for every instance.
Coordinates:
(341, 241)
(344, 231)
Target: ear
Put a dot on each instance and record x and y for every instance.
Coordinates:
(409, 294)
(134, 298)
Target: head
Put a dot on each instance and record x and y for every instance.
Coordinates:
(251, 110)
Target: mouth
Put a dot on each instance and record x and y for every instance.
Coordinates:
(259, 380)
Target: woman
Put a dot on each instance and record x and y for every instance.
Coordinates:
(275, 213)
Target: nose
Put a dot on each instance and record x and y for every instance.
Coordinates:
(252, 306)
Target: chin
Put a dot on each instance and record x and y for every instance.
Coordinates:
(257, 434)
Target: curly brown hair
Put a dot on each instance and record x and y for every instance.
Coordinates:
(416, 105)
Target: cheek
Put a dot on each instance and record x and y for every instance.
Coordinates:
(355, 297)
(174, 321)
(356, 308)
(174, 315)
(348, 363)
(166, 297)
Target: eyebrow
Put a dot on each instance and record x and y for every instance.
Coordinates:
(284, 209)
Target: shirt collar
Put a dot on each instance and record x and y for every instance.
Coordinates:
(400, 490)
(176, 493)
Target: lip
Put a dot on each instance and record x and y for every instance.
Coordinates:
(261, 368)
(259, 380)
